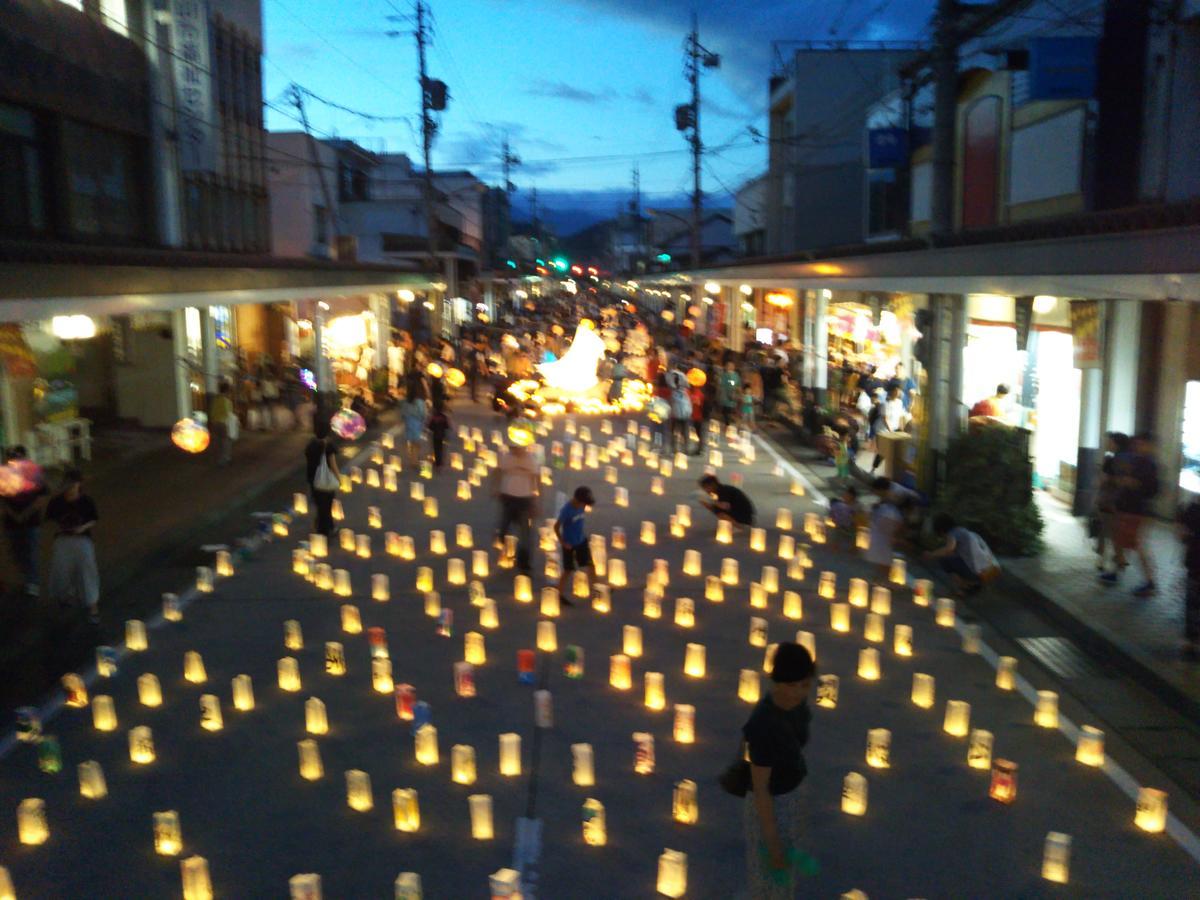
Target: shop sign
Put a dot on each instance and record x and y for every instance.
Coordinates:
(194, 86)
(1023, 317)
(887, 148)
(1086, 333)
(1062, 68)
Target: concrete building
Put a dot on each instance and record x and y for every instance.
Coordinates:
(750, 217)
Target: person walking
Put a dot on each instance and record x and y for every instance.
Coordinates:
(729, 392)
(517, 484)
(439, 425)
(23, 518)
(220, 420)
(775, 736)
(74, 577)
(320, 457)
(699, 418)
(892, 419)
(1136, 476)
(1103, 520)
(412, 411)
(681, 409)
(571, 530)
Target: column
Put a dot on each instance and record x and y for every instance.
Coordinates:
(820, 344)
(959, 405)
(733, 317)
(183, 373)
(1168, 416)
(1122, 341)
(381, 308)
(212, 365)
(1087, 463)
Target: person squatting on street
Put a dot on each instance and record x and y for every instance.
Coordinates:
(775, 736)
(74, 577)
(728, 502)
(571, 530)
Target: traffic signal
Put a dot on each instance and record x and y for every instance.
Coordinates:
(663, 257)
(560, 263)
(684, 117)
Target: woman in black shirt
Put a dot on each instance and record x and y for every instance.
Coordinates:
(775, 735)
(321, 446)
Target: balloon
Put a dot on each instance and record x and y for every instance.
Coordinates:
(347, 424)
(190, 436)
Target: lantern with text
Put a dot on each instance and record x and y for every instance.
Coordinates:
(854, 794)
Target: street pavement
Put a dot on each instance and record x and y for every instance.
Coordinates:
(930, 829)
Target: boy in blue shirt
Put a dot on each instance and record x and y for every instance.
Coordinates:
(571, 531)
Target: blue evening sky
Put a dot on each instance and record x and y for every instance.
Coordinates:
(583, 88)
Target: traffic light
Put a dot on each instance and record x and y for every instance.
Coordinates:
(560, 263)
(684, 118)
(437, 94)
(663, 257)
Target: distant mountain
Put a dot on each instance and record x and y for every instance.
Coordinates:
(570, 212)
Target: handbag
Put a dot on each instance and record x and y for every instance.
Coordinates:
(233, 427)
(324, 479)
(736, 777)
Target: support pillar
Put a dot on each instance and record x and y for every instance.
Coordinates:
(1168, 418)
(212, 366)
(1122, 341)
(942, 392)
(1087, 464)
(183, 371)
(733, 318)
(820, 347)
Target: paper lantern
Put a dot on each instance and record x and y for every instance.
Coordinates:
(406, 810)
(92, 785)
(381, 675)
(616, 572)
(694, 661)
(673, 524)
(979, 749)
(75, 691)
(856, 593)
(656, 486)
(797, 488)
(922, 591)
(149, 690)
(681, 462)
(787, 548)
(924, 689)
(827, 691)
(488, 617)
(243, 693)
(141, 745)
(683, 803)
(643, 753)
(406, 701)
(619, 672)
(749, 686)
(724, 531)
(868, 664)
(898, 573)
(193, 668)
(839, 617)
(335, 659)
(362, 546)
(390, 481)
(405, 547)
(341, 582)
(510, 754)
(758, 595)
(685, 612)
(135, 635)
(783, 519)
(426, 745)
(211, 718)
(346, 539)
(351, 619)
(944, 616)
(1006, 673)
(523, 589)
(336, 510)
(474, 650)
(104, 713)
(631, 640)
(713, 589)
(647, 533)
(197, 885)
(594, 832)
(879, 748)
(204, 579)
(582, 768)
(464, 679)
(323, 577)
(462, 764)
(610, 474)
(621, 497)
(873, 628)
(1003, 787)
(808, 641)
(456, 572)
(618, 537)
(827, 588)
(318, 545)
(881, 601)
(547, 636)
(288, 671)
(1045, 712)
(550, 605)
(172, 610)
(579, 584)
(758, 632)
(1089, 748)
(691, 563)
(315, 719)
(431, 507)
(31, 821)
(729, 571)
(792, 606)
(1151, 812)
(684, 729)
(758, 539)
(479, 563)
(958, 718)
(358, 791)
(854, 794)
(300, 562)
(306, 886)
(769, 658)
(970, 638)
(902, 640)
(672, 873)
(601, 598)
(190, 436)
(168, 837)
(1056, 857)
(481, 816)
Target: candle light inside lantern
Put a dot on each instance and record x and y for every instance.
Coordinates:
(839, 617)
(547, 636)
(1151, 813)
(141, 745)
(406, 810)
(621, 497)
(684, 728)
(1045, 713)
(979, 749)
(1056, 857)
(675, 526)
(879, 748)
(481, 816)
(211, 718)
(243, 693)
(749, 686)
(104, 713)
(873, 628)
(827, 691)
(315, 719)
(149, 690)
(300, 503)
(944, 616)
(1089, 749)
(923, 690)
(922, 591)
(381, 675)
(854, 794)
(204, 579)
(358, 791)
(827, 587)
(856, 593)
(523, 589)
(300, 563)
(426, 745)
(1003, 787)
(958, 718)
(197, 885)
(1006, 672)
(672, 873)
(168, 836)
(631, 640)
(620, 674)
(601, 598)
(685, 612)
(691, 562)
(616, 570)
(462, 764)
(683, 803)
(868, 664)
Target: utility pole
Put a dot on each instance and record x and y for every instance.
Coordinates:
(428, 127)
(693, 73)
(508, 159)
(945, 111)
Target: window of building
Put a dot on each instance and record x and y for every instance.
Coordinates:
(320, 225)
(22, 207)
(102, 198)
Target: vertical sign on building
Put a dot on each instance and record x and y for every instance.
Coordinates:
(194, 81)
(1085, 333)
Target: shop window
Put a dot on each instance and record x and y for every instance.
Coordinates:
(102, 200)
(1189, 472)
(22, 209)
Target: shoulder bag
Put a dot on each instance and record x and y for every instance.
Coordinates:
(736, 777)
(324, 479)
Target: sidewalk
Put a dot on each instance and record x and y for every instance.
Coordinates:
(1143, 636)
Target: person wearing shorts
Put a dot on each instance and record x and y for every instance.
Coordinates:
(571, 530)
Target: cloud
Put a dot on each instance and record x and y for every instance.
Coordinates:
(560, 90)
(643, 96)
(708, 105)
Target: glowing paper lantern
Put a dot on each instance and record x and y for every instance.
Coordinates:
(827, 691)
(431, 507)
(204, 579)
(190, 436)
(873, 628)
(672, 873)
(1006, 671)
(135, 635)
(729, 571)
(958, 718)
(684, 729)
(1045, 713)
(758, 539)
(979, 749)
(631, 640)
(31, 822)
(902, 640)
(358, 791)
(827, 588)
(1056, 857)
(464, 679)
(523, 589)
(922, 591)
(594, 832)
(758, 632)
(601, 598)
(1089, 749)
(474, 650)
(808, 641)
(683, 803)
(868, 664)
(619, 672)
(839, 617)
(694, 661)
(770, 579)
(149, 690)
(197, 885)
(547, 636)
(300, 562)
(550, 605)
(381, 676)
(787, 549)
(92, 785)
(1151, 813)
(783, 519)
(481, 816)
(374, 516)
(406, 810)
(685, 612)
(341, 582)
(945, 612)
(335, 659)
(168, 837)
(713, 589)
(243, 693)
(104, 713)
(315, 719)
(351, 619)
(621, 497)
(288, 674)
(970, 638)
(923, 690)
(173, 612)
(647, 533)
(854, 794)
(691, 562)
(616, 570)
(618, 537)
(879, 748)
(724, 531)
(1003, 787)
(211, 718)
(749, 686)
(462, 764)
(426, 745)
(898, 573)
(362, 546)
(293, 636)
(141, 745)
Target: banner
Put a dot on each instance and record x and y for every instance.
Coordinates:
(194, 82)
(1086, 333)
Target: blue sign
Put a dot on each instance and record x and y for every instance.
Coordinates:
(887, 148)
(1062, 68)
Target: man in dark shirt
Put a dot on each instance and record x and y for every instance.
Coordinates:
(73, 572)
(1136, 482)
(727, 501)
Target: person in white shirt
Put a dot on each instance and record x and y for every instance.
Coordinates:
(894, 418)
(517, 484)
